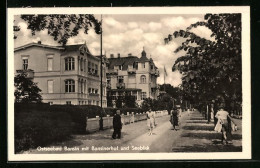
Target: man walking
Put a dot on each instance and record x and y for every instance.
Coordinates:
(117, 125)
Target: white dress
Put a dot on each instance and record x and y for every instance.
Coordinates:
(150, 120)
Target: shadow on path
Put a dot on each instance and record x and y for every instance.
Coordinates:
(210, 136)
(199, 127)
(208, 148)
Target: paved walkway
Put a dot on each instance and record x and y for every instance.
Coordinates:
(198, 136)
(193, 135)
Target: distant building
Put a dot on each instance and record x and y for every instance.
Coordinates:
(132, 76)
(66, 74)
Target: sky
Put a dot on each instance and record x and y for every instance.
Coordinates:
(130, 34)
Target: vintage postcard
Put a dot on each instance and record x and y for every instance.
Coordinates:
(129, 83)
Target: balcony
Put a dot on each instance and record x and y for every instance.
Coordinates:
(28, 73)
(120, 85)
(109, 86)
(93, 94)
(131, 70)
(112, 72)
(155, 72)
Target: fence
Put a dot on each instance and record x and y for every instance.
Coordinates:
(92, 124)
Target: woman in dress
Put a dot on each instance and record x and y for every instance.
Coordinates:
(174, 117)
(225, 120)
(150, 121)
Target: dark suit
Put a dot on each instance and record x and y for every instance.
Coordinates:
(117, 125)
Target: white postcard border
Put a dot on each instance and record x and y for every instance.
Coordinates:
(246, 85)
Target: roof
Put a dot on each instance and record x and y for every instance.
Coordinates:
(66, 48)
(143, 59)
(124, 61)
(38, 45)
(72, 47)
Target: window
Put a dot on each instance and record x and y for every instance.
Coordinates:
(92, 68)
(120, 67)
(69, 86)
(81, 64)
(25, 64)
(143, 79)
(89, 102)
(96, 69)
(50, 86)
(69, 64)
(68, 102)
(89, 67)
(50, 64)
(120, 79)
(143, 95)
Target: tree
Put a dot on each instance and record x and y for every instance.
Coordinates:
(26, 91)
(61, 27)
(130, 101)
(211, 68)
(174, 92)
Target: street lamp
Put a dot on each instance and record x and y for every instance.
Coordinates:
(101, 77)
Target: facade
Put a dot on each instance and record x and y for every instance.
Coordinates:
(66, 75)
(132, 76)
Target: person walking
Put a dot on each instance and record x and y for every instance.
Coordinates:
(150, 121)
(117, 125)
(174, 117)
(224, 124)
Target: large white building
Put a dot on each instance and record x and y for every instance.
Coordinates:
(66, 74)
(132, 75)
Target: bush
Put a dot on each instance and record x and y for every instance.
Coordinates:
(36, 128)
(78, 114)
(42, 124)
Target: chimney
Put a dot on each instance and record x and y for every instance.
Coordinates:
(39, 42)
(111, 55)
(118, 55)
(130, 54)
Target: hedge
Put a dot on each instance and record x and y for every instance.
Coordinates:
(43, 124)
(39, 128)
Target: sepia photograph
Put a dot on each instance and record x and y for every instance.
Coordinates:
(129, 83)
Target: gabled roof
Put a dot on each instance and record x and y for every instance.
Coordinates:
(66, 48)
(38, 45)
(123, 61)
(73, 47)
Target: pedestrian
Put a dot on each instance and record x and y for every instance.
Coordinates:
(150, 121)
(224, 124)
(117, 125)
(154, 123)
(174, 117)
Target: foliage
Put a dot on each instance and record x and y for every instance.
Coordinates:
(211, 68)
(26, 91)
(40, 128)
(61, 27)
(130, 101)
(165, 102)
(120, 101)
(174, 92)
